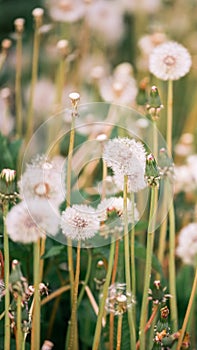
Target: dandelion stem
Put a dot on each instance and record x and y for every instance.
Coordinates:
(68, 199)
(18, 323)
(155, 140)
(133, 269)
(42, 250)
(147, 276)
(163, 232)
(188, 311)
(18, 85)
(111, 315)
(119, 332)
(127, 267)
(97, 334)
(36, 46)
(88, 270)
(149, 323)
(7, 277)
(35, 338)
(169, 115)
(73, 323)
(172, 269)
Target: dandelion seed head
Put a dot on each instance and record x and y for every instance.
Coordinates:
(170, 61)
(27, 223)
(79, 222)
(43, 179)
(187, 244)
(125, 156)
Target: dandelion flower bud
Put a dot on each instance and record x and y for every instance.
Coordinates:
(63, 47)
(19, 24)
(74, 97)
(38, 13)
(6, 44)
(8, 175)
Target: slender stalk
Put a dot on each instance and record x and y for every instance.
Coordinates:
(172, 269)
(55, 294)
(119, 332)
(189, 308)
(127, 267)
(169, 116)
(97, 334)
(34, 74)
(163, 232)
(42, 250)
(147, 276)
(18, 85)
(35, 338)
(73, 323)
(155, 140)
(133, 269)
(68, 199)
(7, 277)
(149, 323)
(18, 323)
(113, 278)
(88, 270)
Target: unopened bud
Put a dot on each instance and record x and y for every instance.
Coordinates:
(38, 13)
(63, 47)
(8, 175)
(6, 44)
(154, 105)
(19, 24)
(75, 98)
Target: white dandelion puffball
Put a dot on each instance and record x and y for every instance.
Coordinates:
(187, 244)
(136, 180)
(170, 61)
(43, 179)
(79, 222)
(66, 10)
(106, 20)
(127, 157)
(27, 223)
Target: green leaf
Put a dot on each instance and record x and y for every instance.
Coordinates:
(53, 251)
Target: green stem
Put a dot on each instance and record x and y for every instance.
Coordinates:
(133, 269)
(155, 140)
(35, 340)
(68, 199)
(169, 116)
(73, 323)
(7, 277)
(119, 332)
(163, 231)
(34, 75)
(189, 308)
(18, 85)
(87, 276)
(147, 276)
(172, 269)
(18, 323)
(97, 335)
(130, 312)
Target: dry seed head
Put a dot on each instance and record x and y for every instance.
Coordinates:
(74, 97)
(19, 24)
(38, 12)
(6, 44)
(62, 47)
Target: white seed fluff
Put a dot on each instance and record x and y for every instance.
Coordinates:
(170, 61)
(79, 222)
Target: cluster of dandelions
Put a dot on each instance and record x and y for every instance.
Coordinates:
(42, 189)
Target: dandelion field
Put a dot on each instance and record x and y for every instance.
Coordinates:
(98, 175)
